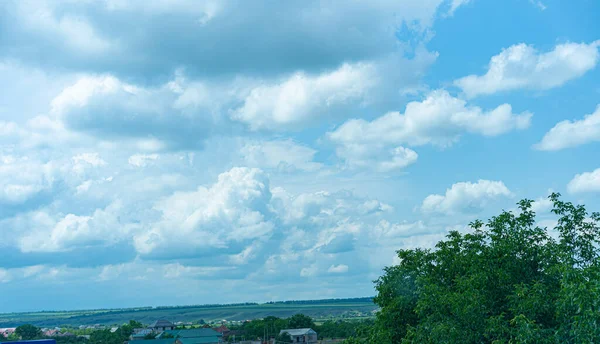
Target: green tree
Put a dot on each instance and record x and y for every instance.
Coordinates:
(508, 281)
(284, 338)
(28, 332)
(300, 321)
(135, 324)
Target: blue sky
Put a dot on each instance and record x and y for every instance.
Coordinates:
(184, 152)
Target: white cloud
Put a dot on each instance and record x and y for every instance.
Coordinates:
(142, 160)
(585, 182)
(234, 209)
(465, 196)
(455, 4)
(309, 271)
(47, 234)
(283, 155)
(74, 33)
(338, 269)
(389, 231)
(542, 205)
(302, 97)
(81, 162)
(4, 276)
(521, 66)
(22, 178)
(153, 118)
(439, 120)
(538, 4)
(568, 134)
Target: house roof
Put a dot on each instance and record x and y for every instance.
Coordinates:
(199, 340)
(162, 323)
(156, 341)
(298, 331)
(222, 329)
(194, 333)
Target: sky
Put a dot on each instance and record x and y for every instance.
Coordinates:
(191, 152)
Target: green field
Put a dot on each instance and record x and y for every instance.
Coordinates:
(320, 310)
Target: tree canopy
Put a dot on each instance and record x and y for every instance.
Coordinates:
(505, 281)
(28, 332)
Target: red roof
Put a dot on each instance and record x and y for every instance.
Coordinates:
(222, 329)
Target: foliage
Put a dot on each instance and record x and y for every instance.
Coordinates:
(284, 338)
(300, 321)
(27, 332)
(118, 337)
(509, 281)
(344, 329)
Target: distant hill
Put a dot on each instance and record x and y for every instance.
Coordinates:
(319, 309)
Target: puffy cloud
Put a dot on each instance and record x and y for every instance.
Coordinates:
(455, 4)
(389, 231)
(97, 36)
(142, 160)
(4, 276)
(585, 182)
(465, 196)
(86, 160)
(568, 134)
(235, 209)
(48, 234)
(106, 107)
(521, 66)
(302, 97)
(542, 205)
(22, 179)
(338, 269)
(283, 155)
(439, 120)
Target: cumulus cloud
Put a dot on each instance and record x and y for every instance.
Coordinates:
(439, 120)
(142, 160)
(23, 179)
(465, 196)
(234, 209)
(302, 97)
(585, 182)
(97, 37)
(49, 234)
(522, 66)
(106, 107)
(338, 269)
(282, 155)
(567, 134)
(4, 276)
(87, 160)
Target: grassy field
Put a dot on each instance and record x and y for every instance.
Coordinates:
(321, 310)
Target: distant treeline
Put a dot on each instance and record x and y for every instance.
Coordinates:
(77, 314)
(324, 301)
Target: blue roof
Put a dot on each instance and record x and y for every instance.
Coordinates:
(194, 333)
(199, 340)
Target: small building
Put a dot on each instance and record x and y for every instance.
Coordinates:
(194, 336)
(140, 333)
(157, 341)
(162, 325)
(301, 335)
(5, 332)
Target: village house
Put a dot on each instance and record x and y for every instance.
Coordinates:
(194, 336)
(5, 332)
(162, 325)
(301, 335)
